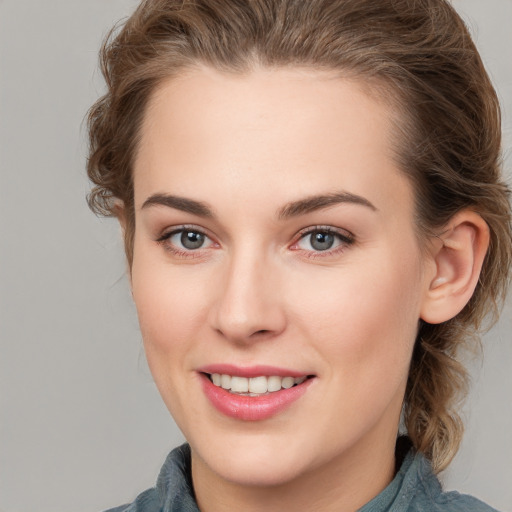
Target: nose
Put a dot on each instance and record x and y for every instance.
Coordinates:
(248, 305)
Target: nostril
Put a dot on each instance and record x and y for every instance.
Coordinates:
(261, 332)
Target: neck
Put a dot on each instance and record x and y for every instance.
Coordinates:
(345, 484)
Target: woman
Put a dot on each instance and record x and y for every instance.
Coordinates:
(315, 223)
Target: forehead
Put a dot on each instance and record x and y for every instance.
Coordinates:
(300, 131)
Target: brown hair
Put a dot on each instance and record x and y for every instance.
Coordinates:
(447, 141)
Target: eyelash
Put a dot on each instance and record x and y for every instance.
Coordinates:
(164, 240)
(344, 238)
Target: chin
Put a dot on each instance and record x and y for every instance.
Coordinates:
(257, 460)
(255, 470)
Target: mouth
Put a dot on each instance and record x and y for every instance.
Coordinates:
(256, 396)
(254, 386)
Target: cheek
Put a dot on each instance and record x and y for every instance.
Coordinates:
(365, 318)
(169, 305)
(170, 312)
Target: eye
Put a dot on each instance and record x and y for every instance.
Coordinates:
(185, 239)
(188, 239)
(322, 240)
(318, 240)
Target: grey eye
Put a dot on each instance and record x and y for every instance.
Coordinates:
(184, 241)
(321, 240)
(191, 239)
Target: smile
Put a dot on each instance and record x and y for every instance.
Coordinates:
(254, 386)
(254, 397)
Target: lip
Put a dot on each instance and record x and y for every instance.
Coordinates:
(250, 371)
(247, 408)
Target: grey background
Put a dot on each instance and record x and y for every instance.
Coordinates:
(82, 426)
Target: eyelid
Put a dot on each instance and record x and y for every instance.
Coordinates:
(170, 231)
(343, 233)
(183, 253)
(346, 238)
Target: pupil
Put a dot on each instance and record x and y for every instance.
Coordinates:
(322, 241)
(192, 240)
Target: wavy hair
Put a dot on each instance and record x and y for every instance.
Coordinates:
(417, 54)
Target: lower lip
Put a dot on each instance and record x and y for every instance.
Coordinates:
(252, 408)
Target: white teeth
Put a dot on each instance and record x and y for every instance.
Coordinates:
(256, 385)
(287, 382)
(225, 381)
(274, 383)
(239, 384)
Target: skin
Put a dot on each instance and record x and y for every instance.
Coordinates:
(257, 292)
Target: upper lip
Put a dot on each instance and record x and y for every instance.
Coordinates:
(251, 371)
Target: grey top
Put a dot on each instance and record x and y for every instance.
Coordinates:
(415, 488)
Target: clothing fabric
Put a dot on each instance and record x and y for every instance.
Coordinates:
(415, 488)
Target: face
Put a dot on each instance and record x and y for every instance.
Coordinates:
(275, 247)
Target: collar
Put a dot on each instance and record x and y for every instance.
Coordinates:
(415, 475)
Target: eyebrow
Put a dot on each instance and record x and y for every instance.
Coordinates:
(292, 209)
(319, 202)
(179, 203)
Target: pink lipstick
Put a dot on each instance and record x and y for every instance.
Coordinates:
(252, 393)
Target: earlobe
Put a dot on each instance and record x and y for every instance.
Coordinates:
(458, 261)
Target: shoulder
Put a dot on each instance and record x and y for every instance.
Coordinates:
(173, 491)
(147, 501)
(416, 488)
(455, 502)
(429, 496)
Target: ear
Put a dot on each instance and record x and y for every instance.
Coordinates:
(458, 256)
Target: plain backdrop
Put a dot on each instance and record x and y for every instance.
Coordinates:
(82, 426)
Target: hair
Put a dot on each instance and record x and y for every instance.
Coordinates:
(448, 137)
